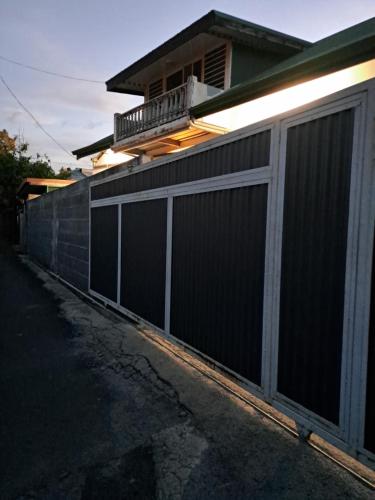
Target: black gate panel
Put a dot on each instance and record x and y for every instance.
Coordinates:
(143, 259)
(218, 254)
(104, 242)
(370, 403)
(316, 203)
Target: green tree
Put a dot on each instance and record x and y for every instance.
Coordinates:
(64, 173)
(16, 164)
(7, 143)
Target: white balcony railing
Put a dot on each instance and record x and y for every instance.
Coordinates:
(162, 109)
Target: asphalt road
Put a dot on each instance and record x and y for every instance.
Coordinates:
(91, 409)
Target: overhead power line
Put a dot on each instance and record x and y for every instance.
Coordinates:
(40, 70)
(33, 117)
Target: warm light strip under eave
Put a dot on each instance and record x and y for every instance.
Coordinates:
(291, 98)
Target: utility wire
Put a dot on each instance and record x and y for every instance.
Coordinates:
(33, 117)
(61, 75)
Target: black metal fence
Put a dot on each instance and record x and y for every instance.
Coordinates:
(247, 250)
(193, 257)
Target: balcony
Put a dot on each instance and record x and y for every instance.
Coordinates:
(169, 107)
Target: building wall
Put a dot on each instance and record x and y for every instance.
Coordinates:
(248, 62)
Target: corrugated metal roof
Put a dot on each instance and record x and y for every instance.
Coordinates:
(345, 48)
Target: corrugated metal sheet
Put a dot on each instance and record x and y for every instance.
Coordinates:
(104, 237)
(250, 152)
(316, 205)
(143, 249)
(370, 400)
(217, 275)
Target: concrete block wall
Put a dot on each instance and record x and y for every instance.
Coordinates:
(58, 232)
(71, 258)
(39, 217)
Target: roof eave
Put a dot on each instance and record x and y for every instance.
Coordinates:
(210, 22)
(194, 29)
(241, 26)
(30, 182)
(96, 147)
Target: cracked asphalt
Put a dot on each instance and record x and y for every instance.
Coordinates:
(92, 409)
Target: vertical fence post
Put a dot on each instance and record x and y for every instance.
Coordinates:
(168, 267)
(55, 229)
(119, 232)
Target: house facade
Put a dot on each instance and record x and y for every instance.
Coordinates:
(212, 55)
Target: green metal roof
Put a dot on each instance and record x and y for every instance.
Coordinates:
(219, 24)
(96, 147)
(345, 48)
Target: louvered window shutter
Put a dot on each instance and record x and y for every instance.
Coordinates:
(214, 67)
(155, 89)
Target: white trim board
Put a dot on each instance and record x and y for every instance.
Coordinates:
(228, 181)
(366, 247)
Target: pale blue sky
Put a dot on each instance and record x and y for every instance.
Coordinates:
(96, 39)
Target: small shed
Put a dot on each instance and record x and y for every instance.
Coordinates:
(32, 187)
